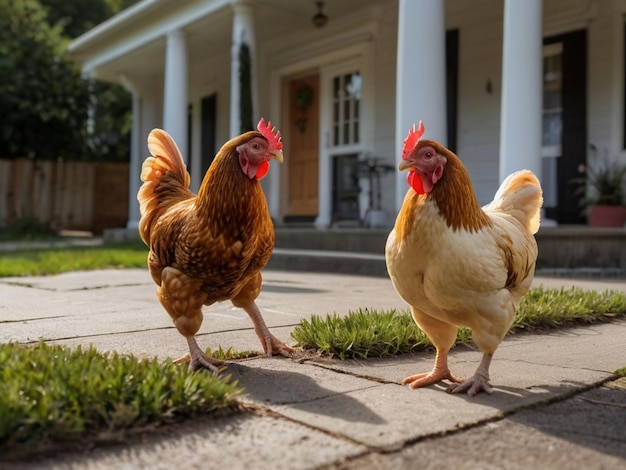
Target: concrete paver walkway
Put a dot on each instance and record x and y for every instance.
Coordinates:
(550, 408)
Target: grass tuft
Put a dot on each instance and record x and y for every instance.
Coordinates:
(54, 393)
(550, 308)
(362, 333)
(372, 333)
(222, 354)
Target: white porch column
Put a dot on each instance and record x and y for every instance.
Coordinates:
(520, 118)
(421, 75)
(175, 90)
(243, 32)
(136, 160)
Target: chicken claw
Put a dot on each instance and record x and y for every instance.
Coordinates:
(197, 359)
(440, 372)
(474, 385)
(273, 345)
(477, 382)
(429, 378)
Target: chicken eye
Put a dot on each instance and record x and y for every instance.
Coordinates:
(255, 146)
(428, 154)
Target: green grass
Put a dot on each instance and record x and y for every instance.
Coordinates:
(37, 262)
(370, 333)
(57, 394)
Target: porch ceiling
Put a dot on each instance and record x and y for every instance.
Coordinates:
(124, 48)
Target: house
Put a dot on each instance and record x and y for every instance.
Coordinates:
(506, 84)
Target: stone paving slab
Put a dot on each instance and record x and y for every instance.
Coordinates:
(244, 441)
(585, 431)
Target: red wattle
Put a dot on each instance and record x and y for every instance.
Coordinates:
(262, 170)
(415, 182)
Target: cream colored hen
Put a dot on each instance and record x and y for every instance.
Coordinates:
(457, 264)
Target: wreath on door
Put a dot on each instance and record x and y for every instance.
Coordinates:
(302, 99)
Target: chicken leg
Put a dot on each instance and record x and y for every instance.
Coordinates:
(178, 293)
(443, 336)
(271, 344)
(245, 299)
(440, 372)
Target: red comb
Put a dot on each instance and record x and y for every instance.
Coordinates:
(270, 133)
(411, 140)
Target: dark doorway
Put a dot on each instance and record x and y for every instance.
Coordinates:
(567, 209)
(452, 85)
(345, 188)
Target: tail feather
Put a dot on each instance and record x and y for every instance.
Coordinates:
(520, 196)
(166, 181)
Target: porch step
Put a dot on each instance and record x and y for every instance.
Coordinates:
(367, 264)
(326, 261)
(579, 251)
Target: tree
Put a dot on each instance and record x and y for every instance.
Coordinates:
(77, 16)
(44, 101)
(111, 104)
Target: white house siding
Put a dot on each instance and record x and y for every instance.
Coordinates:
(480, 61)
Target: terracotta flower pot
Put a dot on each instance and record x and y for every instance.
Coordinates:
(607, 216)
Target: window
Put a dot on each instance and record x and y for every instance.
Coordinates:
(552, 121)
(552, 100)
(346, 109)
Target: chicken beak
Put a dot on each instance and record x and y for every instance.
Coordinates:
(404, 165)
(277, 155)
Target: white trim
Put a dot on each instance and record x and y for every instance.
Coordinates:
(578, 15)
(113, 47)
(114, 23)
(329, 151)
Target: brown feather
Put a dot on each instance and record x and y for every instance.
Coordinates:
(455, 195)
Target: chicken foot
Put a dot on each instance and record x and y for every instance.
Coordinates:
(440, 372)
(477, 382)
(271, 344)
(197, 359)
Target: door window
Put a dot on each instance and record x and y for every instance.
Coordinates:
(552, 120)
(346, 109)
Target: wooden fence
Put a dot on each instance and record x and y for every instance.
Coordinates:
(67, 195)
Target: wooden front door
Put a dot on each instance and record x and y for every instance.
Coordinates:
(303, 146)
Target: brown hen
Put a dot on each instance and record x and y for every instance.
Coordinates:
(209, 247)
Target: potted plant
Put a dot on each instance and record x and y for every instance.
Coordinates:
(605, 192)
